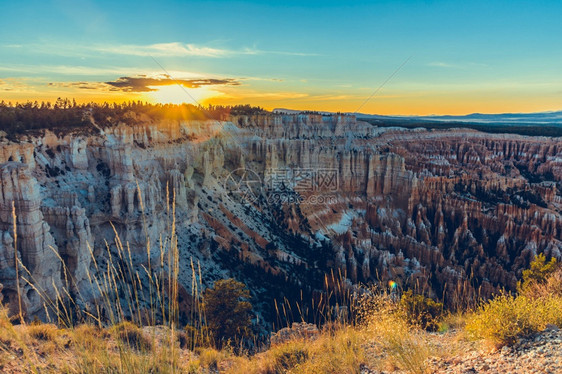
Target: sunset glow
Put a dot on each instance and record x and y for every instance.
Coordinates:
(176, 94)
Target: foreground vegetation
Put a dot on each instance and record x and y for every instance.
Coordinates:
(386, 335)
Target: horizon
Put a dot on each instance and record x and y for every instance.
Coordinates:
(408, 58)
(272, 110)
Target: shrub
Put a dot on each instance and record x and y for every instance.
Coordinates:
(539, 270)
(502, 320)
(421, 311)
(552, 286)
(132, 336)
(505, 318)
(228, 310)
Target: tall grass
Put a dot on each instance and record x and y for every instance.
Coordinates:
(337, 302)
(123, 295)
(15, 233)
(368, 325)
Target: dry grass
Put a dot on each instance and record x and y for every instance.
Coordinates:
(44, 332)
(400, 345)
(45, 348)
(132, 336)
(339, 350)
(551, 286)
(209, 359)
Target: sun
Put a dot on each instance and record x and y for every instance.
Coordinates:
(176, 94)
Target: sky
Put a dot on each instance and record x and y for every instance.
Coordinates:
(409, 57)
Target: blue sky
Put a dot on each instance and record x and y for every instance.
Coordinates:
(477, 56)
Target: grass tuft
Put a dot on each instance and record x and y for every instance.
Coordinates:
(132, 335)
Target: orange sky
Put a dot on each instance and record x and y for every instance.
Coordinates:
(392, 102)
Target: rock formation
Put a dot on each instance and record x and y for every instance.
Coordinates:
(457, 211)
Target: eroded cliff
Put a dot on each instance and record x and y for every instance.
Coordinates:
(458, 212)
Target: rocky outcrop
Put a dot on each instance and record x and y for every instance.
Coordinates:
(32, 242)
(71, 229)
(306, 331)
(302, 126)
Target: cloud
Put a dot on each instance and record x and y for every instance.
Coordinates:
(162, 49)
(255, 51)
(334, 97)
(185, 49)
(169, 49)
(13, 84)
(143, 83)
(446, 65)
(439, 64)
(96, 72)
(101, 86)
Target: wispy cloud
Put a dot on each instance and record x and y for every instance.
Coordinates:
(99, 86)
(334, 97)
(439, 64)
(109, 71)
(186, 49)
(268, 96)
(447, 65)
(162, 49)
(169, 49)
(256, 51)
(68, 70)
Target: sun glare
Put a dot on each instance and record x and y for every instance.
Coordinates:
(174, 94)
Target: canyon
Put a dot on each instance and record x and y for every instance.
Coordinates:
(277, 201)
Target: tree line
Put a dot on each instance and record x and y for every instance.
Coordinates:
(65, 114)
